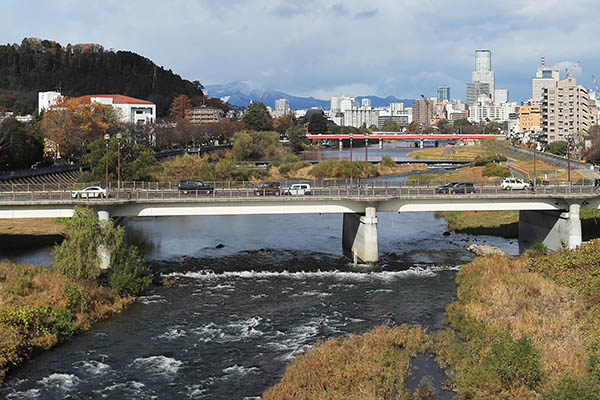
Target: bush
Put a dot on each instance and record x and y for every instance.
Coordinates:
(480, 161)
(387, 161)
(39, 320)
(129, 274)
(559, 148)
(537, 249)
(75, 298)
(341, 169)
(515, 361)
(492, 169)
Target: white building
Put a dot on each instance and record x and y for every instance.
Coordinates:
(342, 103)
(366, 103)
(545, 77)
(47, 100)
(500, 96)
(282, 107)
(485, 111)
(130, 110)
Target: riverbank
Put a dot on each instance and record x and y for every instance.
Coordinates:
(40, 309)
(523, 327)
(30, 233)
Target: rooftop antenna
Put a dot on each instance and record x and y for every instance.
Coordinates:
(543, 61)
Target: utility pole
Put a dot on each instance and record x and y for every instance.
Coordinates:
(350, 136)
(106, 139)
(367, 156)
(119, 136)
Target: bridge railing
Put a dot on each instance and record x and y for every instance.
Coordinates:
(335, 190)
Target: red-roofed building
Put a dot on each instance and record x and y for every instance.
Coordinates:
(131, 110)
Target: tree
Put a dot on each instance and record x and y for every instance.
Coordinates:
(391, 126)
(297, 136)
(257, 117)
(251, 145)
(178, 107)
(317, 124)
(136, 160)
(21, 145)
(443, 126)
(282, 124)
(559, 148)
(76, 123)
(593, 153)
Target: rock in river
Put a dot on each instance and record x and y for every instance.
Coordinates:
(485, 250)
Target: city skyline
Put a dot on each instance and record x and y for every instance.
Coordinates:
(323, 49)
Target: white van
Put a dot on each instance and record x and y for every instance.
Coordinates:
(298, 189)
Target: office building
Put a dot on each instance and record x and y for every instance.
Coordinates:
(500, 96)
(443, 94)
(475, 90)
(282, 107)
(483, 70)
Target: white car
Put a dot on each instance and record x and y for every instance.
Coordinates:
(298, 189)
(514, 184)
(90, 192)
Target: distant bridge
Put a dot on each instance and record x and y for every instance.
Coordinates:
(401, 136)
(550, 214)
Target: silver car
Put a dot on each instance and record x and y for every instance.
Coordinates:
(90, 192)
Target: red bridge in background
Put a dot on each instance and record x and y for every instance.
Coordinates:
(407, 137)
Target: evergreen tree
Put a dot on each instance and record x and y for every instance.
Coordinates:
(257, 117)
(317, 124)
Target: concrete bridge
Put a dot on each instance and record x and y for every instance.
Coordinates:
(550, 214)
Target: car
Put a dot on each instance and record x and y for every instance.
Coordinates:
(462, 188)
(192, 185)
(445, 188)
(298, 189)
(514, 184)
(90, 192)
(268, 189)
(596, 184)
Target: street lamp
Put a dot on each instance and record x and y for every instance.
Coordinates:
(534, 137)
(569, 140)
(106, 139)
(350, 135)
(119, 136)
(367, 157)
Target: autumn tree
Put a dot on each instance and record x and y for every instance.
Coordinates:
(257, 117)
(252, 145)
(179, 105)
(593, 153)
(76, 123)
(282, 124)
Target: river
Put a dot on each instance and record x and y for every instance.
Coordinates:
(245, 309)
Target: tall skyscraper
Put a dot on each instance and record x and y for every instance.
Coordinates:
(483, 70)
(443, 94)
(474, 90)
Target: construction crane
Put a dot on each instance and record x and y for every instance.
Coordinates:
(572, 68)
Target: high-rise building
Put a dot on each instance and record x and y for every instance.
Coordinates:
(500, 96)
(443, 94)
(566, 110)
(422, 111)
(544, 78)
(282, 107)
(474, 90)
(483, 70)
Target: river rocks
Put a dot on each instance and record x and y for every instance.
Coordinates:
(446, 233)
(485, 250)
(220, 246)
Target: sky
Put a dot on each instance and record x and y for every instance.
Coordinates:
(325, 48)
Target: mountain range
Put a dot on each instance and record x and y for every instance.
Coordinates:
(240, 94)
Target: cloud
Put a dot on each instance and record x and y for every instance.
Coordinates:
(320, 47)
(366, 14)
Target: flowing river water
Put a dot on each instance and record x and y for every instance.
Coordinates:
(243, 310)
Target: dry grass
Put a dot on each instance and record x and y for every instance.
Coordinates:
(369, 366)
(27, 290)
(460, 153)
(459, 220)
(31, 226)
(546, 171)
(464, 174)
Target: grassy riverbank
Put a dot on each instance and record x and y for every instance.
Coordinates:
(40, 308)
(521, 328)
(454, 153)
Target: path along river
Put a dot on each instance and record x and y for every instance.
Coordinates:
(246, 309)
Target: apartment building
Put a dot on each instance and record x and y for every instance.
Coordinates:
(530, 118)
(566, 111)
(422, 111)
(203, 115)
(282, 107)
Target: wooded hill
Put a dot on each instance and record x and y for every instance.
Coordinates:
(42, 65)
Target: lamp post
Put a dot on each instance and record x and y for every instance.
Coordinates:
(569, 139)
(367, 157)
(119, 136)
(106, 139)
(350, 136)
(534, 160)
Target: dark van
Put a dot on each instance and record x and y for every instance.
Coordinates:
(190, 185)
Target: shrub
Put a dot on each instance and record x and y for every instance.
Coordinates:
(39, 320)
(573, 388)
(492, 169)
(129, 274)
(387, 161)
(480, 161)
(537, 249)
(515, 361)
(75, 298)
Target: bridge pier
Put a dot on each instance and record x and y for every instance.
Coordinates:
(380, 143)
(103, 254)
(341, 145)
(556, 229)
(421, 143)
(359, 236)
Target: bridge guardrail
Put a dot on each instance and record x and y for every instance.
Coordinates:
(331, 191)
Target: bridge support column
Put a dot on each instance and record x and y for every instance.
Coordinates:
(421, 143)
(103, 254)
(381, 143)
(341, 145)
(556, 229)
(359, 236)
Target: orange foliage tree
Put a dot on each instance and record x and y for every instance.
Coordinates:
(76, 123)
(178, 107)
